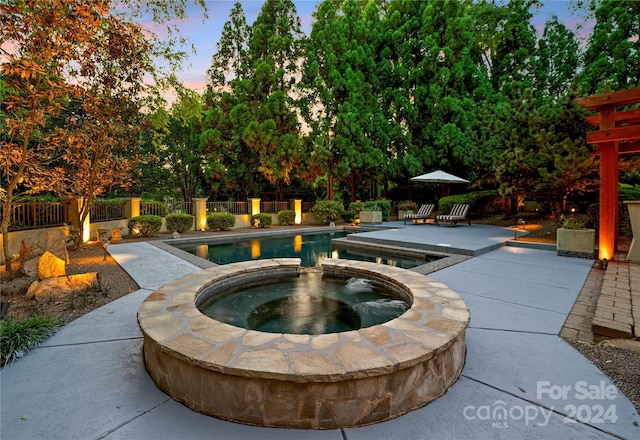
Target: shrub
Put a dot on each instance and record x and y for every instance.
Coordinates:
(571, 222)
(221, 220)
(408, 205)
(479, 202)
(145, 225)
(328, 210)
(179, 222)
(378, 205)
(286, 217)
(19, 336)
(261, 220)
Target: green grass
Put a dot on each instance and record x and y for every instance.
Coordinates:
(18, 336)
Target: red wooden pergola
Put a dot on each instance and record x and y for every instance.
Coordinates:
(618, 133)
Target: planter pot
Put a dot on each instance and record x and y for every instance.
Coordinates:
(578, 243)
(115, 234)
(402, 213)
(370, 217)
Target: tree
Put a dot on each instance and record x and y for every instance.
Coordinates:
(612, 58)
(566, 164)
(557, 59)
(231, 51)
(273, 131)
(181, 145)
(72, 79)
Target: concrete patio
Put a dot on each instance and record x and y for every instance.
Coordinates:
(520, 380)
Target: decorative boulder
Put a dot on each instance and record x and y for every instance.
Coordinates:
(57, 244)
(61, 286)
(50, 266)
(30, 267)
(30, 248)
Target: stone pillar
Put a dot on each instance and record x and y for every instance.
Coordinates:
(75, 205)
(200, 213)
(254, 206)
(296, 206)
(634, 216)
(131, 208)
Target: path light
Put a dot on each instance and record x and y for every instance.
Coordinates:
(105, 244)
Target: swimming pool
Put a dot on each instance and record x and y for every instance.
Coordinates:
(310, 248)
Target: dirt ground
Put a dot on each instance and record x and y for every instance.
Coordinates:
(621, 365)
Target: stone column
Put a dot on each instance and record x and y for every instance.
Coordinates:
(254, 206)
(75, 205)
(131, 208)
(634, 217)
(200, 213)
(296, 206)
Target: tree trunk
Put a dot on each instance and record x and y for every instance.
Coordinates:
(6, 218)
(352, 186)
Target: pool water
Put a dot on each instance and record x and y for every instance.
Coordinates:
(308, 304)
(311, 249)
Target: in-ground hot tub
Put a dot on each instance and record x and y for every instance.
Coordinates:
(321, 381)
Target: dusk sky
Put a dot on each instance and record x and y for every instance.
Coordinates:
(205, 34)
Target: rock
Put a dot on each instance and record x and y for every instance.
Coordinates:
(30, 248)
(57, 244)
(50, 266)
(627, 344)
(64, 285)
(30, 267)
(176, 235)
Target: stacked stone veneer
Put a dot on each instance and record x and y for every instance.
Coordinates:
(304, 381)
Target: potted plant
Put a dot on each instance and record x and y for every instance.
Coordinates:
(371, 213)
(574, 239)
(406, 207)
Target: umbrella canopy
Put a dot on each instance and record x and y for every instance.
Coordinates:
(439, 176)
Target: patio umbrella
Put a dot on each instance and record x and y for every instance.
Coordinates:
(439, 176)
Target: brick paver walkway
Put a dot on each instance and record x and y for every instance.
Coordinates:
(608, 305)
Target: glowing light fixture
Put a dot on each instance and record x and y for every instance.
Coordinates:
(297, 207)
(255, 206)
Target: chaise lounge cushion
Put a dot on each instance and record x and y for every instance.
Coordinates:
(458, 214)
(425, 212)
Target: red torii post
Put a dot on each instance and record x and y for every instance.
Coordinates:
(618, 133)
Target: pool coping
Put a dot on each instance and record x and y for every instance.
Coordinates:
(445, 259)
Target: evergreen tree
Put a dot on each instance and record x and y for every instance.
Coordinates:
(273, 130)
(612, 58)
(557, 61)
(231, 50)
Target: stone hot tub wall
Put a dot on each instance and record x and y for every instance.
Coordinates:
(304, 381)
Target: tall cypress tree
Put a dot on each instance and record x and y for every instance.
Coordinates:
(612, 58)
(273, 130)
(556, 62)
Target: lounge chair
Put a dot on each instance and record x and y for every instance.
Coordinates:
(425, 212)
(458, 214)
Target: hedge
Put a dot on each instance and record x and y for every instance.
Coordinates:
(179, 222)
(261, 220)
(478, 201)
(286, 217)
(328, 210)
(145, 225)
(221, 220)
